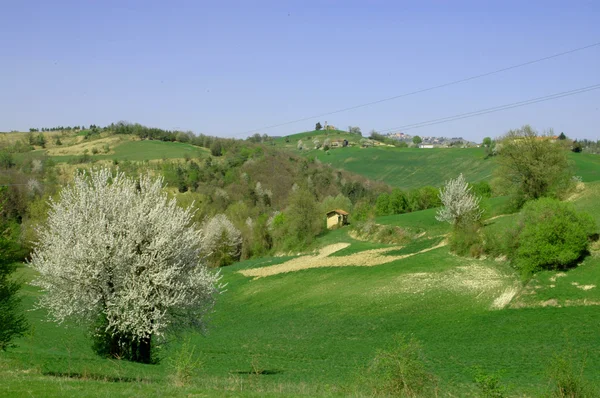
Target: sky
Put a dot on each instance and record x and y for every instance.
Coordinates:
(231, 68)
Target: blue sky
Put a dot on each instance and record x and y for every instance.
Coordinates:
(227, 67)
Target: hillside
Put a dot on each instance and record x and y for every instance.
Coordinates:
(311, 325)
(413, 167)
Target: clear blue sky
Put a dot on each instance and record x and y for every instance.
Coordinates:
(224, 68)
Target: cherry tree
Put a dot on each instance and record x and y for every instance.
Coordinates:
(460, 205)
(222, 240)
(118, 255)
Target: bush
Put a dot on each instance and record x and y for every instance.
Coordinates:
(553, 235)
(482, 189)
(400, 370)
(184, 366)
(566, 377)
(466, 240)
(489, 385)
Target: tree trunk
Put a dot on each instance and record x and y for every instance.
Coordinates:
(145, 350)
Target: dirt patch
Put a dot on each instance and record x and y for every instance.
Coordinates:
(578, 192)
(505, 298)
(470, 279)
(558, 275)
(586, 287)
(367, 258)
(79, 148)
(496, 217)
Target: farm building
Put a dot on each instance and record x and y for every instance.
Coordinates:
(336, 218)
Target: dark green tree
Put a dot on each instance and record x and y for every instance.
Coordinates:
(12, 321)
(216, 149)
(533, 166)
(562, 136)
(417, 140)
(318, 126)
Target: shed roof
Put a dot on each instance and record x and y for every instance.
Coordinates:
(338, 211)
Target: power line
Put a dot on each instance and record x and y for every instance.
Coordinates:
(426, 89)
(493, 109)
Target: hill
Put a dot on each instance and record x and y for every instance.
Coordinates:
(310, 325)
(413, 167)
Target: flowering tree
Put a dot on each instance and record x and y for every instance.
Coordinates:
(118, 254)
(460, 205)
(221, 240)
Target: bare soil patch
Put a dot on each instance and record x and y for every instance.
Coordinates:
(367, 258)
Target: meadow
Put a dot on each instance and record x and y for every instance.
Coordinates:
(311, 322)
(316, 331)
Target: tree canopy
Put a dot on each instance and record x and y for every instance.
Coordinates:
(118, 255)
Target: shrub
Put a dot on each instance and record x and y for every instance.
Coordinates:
(482, 189)
(400, 370)
(566, 377)
(184, 365)
(466, 240)
(489, 385)
(553, 235)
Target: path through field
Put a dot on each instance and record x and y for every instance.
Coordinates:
(367, 258)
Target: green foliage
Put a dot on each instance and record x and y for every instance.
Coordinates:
(337, 202)
(566, 377)
(382, 207)
(481, 189)
(553, 235)
(489, 385)
(216, 149)
(417, 140)
(6, 160)
(400, 370)
(318, 126)
(40, 140)
(12, 322)
(184, 364)
(533, 166)
(465, 240)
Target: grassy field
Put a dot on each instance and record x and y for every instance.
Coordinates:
(314, 332)
(412, 167)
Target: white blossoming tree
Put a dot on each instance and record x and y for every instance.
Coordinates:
(118, 255)
(460, 205)
(221, 240)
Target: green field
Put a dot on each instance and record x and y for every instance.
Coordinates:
(314, 332)
(412, 167)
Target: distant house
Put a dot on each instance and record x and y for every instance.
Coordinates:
(425, 146)
(336, 218)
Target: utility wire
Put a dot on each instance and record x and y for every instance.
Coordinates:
(426, 89)
(493, 109)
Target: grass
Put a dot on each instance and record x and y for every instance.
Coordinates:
(413, 167)
(314, 332)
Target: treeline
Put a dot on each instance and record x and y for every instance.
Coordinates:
(57, 128)
(587, 146)
(399, 201)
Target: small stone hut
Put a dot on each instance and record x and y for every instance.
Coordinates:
(336, 218)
